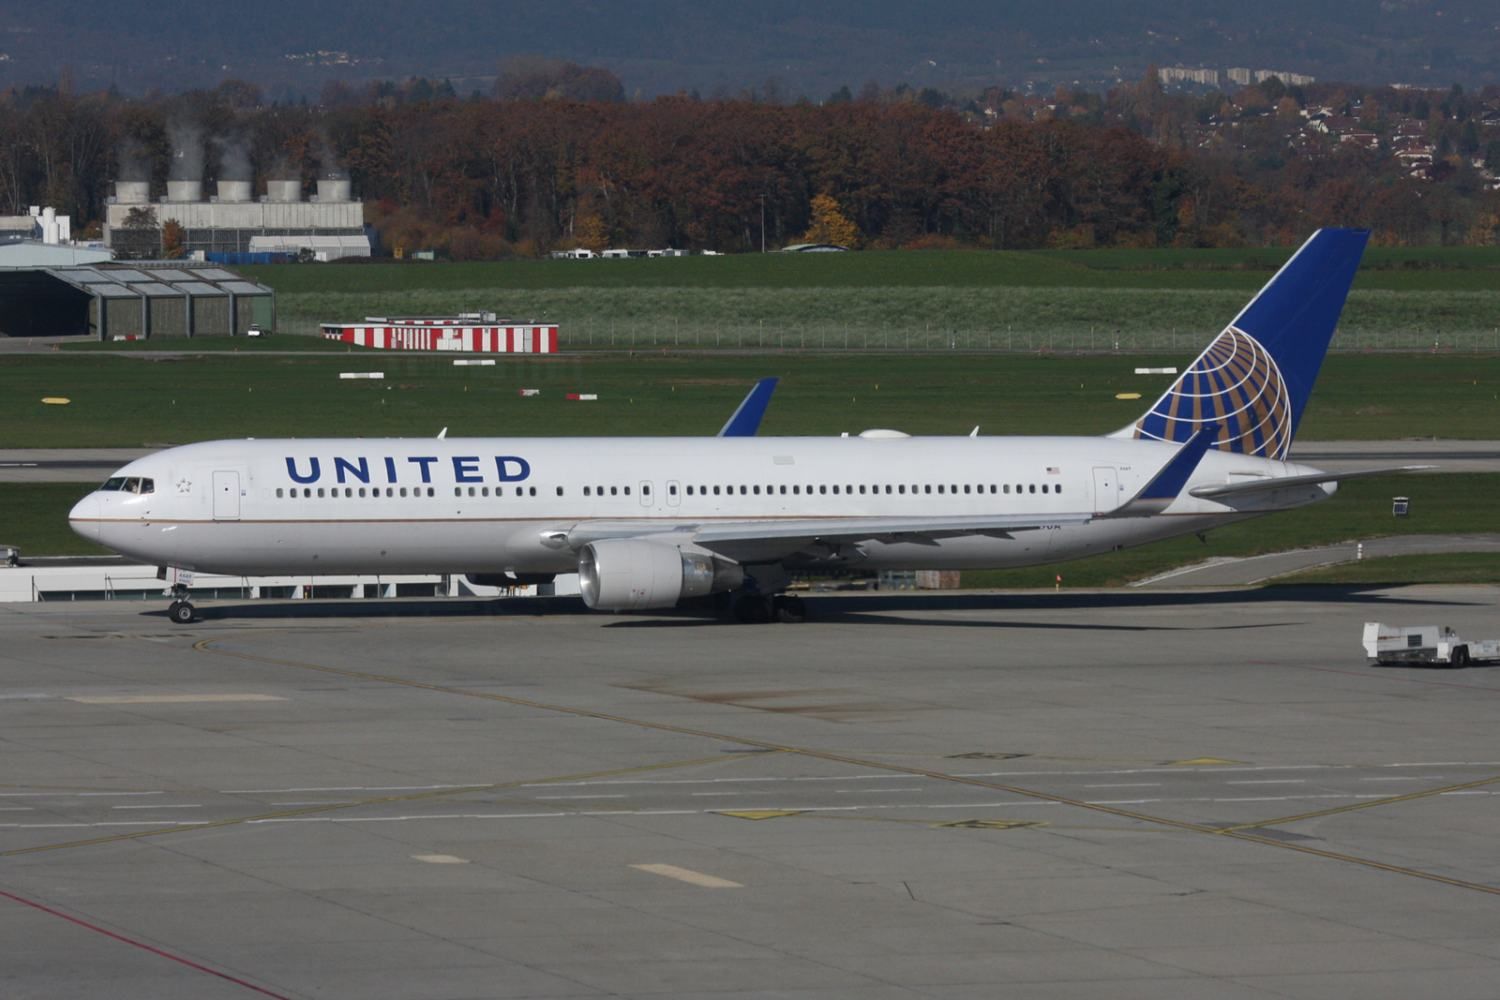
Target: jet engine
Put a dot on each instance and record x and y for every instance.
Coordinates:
(627, 574)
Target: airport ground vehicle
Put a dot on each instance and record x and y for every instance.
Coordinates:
(1436, 644)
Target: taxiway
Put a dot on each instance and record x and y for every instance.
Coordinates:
(1113, 795)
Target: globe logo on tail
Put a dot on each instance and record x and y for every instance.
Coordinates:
(1236, 384)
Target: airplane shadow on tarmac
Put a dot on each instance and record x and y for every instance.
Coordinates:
(867, 608)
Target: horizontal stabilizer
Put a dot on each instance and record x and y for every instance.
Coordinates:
(1167, 484)
(1270, 483)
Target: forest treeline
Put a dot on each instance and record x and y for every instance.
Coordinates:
(495, 175)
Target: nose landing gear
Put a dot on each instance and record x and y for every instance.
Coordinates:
(181, 610)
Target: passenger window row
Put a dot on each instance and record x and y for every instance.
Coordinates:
(846, 489)
(335, 492)
(484, 491)
(797, 489)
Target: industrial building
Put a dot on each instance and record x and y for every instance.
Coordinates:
(327, 226)
(42, 238)
(108, 301)
(41, 224)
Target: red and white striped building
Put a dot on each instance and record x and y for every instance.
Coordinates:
(447, 333)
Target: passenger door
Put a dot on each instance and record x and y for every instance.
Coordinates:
(1106, 488)
(226, 495)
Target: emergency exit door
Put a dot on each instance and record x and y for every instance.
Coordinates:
(226, 495)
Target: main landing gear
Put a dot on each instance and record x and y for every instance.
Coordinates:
(752, 608)
(181, 610)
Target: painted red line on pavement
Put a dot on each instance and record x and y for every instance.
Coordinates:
(179, 959)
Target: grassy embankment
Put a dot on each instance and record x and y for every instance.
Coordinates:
(134, 401)
(1461, 567)
(1153, 300)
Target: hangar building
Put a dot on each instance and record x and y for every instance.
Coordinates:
(155, 299)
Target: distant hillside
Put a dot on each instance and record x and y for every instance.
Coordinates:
(778, 48)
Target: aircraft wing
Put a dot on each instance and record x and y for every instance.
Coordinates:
(774, 539)
(1269, 483)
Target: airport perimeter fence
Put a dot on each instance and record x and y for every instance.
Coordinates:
(629, 335)
(637, 335)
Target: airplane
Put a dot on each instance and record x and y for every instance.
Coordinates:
(648, 522)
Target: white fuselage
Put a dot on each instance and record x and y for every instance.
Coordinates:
(483, 505)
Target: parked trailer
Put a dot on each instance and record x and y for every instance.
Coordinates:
(1435, 644)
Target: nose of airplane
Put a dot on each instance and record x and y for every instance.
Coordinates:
(84, 517)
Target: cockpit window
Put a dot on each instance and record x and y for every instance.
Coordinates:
(130, 484)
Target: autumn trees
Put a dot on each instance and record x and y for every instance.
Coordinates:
(541, 169)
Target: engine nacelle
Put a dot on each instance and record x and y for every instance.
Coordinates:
(627, 574)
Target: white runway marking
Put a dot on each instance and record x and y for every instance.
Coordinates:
(1032, 775)
(689, 876)
(1269, 781)
(102, 795)
(158, 806)
(753, 807)
(441, 859)
(341, 788)
(587, 798)
(75, 826)
(168, 699)
(1128, 784)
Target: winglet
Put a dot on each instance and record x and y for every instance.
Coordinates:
(1168, 483)
(745, 420)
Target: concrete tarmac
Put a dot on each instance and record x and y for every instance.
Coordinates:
(954, 796)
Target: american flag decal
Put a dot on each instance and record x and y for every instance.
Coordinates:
(1053, 470)
(1235, 383)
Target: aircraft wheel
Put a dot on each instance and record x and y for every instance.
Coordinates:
(1461, 657)
(752, 609)
(790, 609)
(181, 612)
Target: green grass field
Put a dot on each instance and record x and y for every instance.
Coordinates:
(1144, 300)
(145, 400)
(1461, 567)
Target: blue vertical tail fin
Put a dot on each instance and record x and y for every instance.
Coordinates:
(1256, 376)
